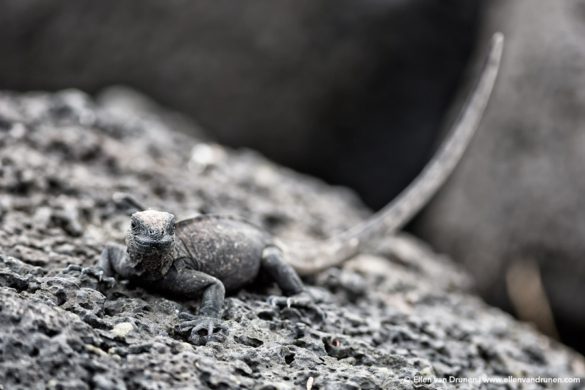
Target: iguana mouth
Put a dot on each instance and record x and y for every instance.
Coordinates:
(145, 242)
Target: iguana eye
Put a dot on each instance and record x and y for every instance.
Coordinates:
(133, 225)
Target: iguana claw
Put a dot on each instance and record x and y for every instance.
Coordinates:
(202, 329)
(95, 272)
(301, 301)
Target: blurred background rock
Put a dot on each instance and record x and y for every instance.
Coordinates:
(514, 212)
(351, 91)
(356, 92)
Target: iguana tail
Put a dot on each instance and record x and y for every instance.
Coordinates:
(311, 257)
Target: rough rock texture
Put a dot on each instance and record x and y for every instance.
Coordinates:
(518, 195)
(389, 317)
(353, 86)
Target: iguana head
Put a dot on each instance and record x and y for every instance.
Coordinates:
(151, 241)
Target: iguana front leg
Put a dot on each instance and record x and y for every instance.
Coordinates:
(113, 260)
(186, 283)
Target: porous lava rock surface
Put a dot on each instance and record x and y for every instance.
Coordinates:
(397, 313)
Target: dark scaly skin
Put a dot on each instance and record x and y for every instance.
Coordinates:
(209, 255)
(223, 247)
(204, 256)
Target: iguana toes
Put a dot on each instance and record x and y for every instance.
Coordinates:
(210, 254)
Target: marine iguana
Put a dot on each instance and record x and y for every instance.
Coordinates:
(210, 255)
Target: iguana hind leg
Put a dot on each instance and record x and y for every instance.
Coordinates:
(290, 283)
(280, 271)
